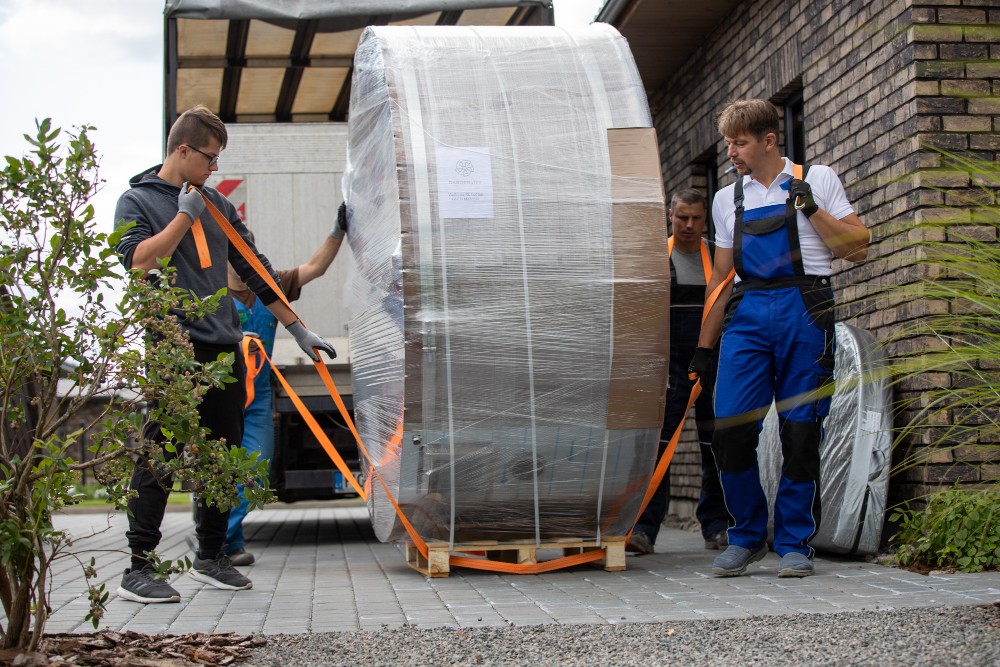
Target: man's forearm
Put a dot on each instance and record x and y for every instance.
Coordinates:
(847, 238)
(320, 261)
(147, 254)
(284, 314)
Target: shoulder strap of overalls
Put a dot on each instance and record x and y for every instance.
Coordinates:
(738, 226)
(792, 223)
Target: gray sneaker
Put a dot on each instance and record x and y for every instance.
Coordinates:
(147, 587)
(794, 564)
(241, 557)
(734, 560)
(219, 573)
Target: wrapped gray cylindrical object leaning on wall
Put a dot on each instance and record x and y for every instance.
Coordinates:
(509, 333)
(856, 450)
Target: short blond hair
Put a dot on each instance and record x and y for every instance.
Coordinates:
(196, 126)
(755, 117)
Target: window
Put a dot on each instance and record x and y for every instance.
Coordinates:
(795, 127)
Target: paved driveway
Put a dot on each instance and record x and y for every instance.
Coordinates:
(321, 569)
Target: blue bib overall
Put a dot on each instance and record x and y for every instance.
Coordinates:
(777, 345)
(258, 425)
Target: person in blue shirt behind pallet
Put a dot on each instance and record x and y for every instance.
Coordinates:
(690, 269)
(258, 422)
(779, 226)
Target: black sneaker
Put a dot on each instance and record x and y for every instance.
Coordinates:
(147, 587)
(241, 557)
(219, 573)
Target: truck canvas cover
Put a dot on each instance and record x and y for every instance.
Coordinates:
(291, 60)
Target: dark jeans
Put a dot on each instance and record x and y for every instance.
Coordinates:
(685, 326)
(221, 412)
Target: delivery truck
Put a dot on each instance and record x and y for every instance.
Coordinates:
(279, 74)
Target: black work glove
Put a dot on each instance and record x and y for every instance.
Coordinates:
(802, 197)
(342, 217)
(701, 363)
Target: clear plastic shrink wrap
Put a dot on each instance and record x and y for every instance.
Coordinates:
(509, 333)
(856, 451)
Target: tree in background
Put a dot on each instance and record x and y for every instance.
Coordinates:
(55, 269)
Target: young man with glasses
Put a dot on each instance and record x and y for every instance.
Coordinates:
(164, 211)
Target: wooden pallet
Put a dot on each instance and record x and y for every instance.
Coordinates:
(516, 551)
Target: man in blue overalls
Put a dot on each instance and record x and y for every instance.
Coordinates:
(255, 318)
(779, 230)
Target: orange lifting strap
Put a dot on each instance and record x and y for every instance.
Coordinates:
(668, 453)
(396, 440)
(252, 351)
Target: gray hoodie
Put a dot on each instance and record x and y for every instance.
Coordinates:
(152, 203)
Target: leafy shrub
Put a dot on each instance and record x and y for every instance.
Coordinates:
(958, 528)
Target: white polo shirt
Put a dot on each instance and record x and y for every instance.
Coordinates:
(827, 191)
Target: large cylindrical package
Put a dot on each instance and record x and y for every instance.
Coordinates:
(856, 450)
(509, 334)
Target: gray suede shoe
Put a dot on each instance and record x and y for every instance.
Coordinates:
(794, 564)
(241, 557)
(639, 543)
(734, 560)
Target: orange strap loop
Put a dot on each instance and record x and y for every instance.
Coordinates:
(526, 568)
(331, 451)
(201, 243)
(395, 440)
(241, 245)
(664, 463)
(252, 351)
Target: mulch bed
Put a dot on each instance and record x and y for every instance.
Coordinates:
(133, 649)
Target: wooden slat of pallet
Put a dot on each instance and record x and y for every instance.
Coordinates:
(519, 551)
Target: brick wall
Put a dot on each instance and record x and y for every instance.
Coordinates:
(882, 81)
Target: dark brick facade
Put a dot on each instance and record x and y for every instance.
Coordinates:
(881, 82)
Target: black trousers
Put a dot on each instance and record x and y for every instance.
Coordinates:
(221, 412)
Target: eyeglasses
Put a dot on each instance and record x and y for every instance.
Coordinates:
(212, 159)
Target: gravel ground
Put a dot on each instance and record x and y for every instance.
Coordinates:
(960, 636)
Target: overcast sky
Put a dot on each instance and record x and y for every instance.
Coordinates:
(100, 62)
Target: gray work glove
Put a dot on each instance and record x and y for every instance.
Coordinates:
(190, 202)
(307, 340)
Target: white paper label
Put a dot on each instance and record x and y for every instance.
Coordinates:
(872, 421)
(465, 182)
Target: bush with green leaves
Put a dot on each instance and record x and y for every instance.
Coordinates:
(946, 369)
(61, 346)
(958, 528)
